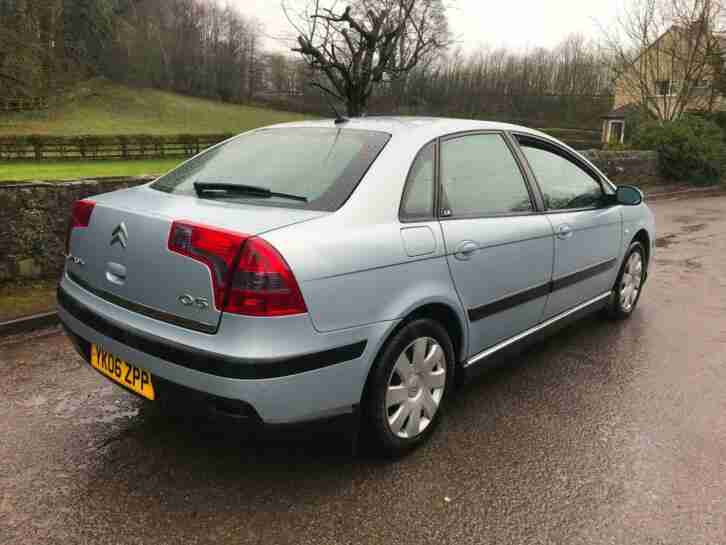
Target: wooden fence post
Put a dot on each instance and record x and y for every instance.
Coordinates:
(44, 148)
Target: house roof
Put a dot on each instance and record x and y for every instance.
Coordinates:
(621, 112)
(720, 37)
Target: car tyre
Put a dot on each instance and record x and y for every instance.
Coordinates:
(629, 284)
(408, 387)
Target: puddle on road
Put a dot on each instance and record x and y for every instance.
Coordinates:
(693, 264)
(694, 228)
(69, 405)
(111, 417)
(701, 215)
(666, 241)
(35, 401)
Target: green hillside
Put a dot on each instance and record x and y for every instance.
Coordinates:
(102, 107)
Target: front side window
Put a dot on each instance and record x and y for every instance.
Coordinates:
(321, 166)
(564, 184)
(480, 177)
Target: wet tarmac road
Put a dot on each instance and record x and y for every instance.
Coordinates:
(606, 433)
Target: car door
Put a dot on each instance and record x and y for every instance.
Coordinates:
(500, 250)
(588, 229)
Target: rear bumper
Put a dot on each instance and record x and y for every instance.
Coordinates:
(274, 390)
(220, 365)
(192, 401)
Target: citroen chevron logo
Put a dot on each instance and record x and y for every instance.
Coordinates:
(120, 235)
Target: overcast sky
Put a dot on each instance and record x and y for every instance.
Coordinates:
(517, 24)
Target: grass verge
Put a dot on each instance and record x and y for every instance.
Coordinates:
(74, 170)
(18, 299)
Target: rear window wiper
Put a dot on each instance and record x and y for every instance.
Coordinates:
(217, 189)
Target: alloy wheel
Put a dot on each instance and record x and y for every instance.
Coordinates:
(631, 281)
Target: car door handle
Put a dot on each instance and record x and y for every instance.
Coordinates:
(465, 250)
(564, 231)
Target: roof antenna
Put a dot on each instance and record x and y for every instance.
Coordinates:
(339, 119)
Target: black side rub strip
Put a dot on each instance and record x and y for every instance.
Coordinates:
(207, 362)
(143, 309)
(511, 301)
(584, 274)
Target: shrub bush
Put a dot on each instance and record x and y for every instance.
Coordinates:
(635, 119)
(689, 149)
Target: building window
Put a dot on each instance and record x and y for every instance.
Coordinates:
(701, 87)
(662, 87)
(665, 87)
(616, 132)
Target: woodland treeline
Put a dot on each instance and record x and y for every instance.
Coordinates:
(195, 47)
(569, 85)
(206, 48)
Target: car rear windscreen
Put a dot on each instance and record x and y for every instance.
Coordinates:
(324, 165)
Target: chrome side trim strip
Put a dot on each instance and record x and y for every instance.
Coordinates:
(497, 347)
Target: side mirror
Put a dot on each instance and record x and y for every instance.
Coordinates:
(628, 195)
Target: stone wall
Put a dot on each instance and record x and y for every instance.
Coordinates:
(639, 168)
(34, 216)
(33, 222)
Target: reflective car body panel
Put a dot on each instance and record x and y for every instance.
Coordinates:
(591, 250)
(362, 269)
(513, 255)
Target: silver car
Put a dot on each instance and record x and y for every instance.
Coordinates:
(357, 267)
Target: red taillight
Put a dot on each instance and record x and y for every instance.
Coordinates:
(216, 248)
(80, 217)
(248, 275)
(263, 284)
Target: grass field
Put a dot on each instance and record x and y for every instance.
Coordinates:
(101, 107)
(73, 170)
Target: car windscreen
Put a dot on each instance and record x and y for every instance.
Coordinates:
(323, 165)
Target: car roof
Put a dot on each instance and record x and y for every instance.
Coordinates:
(417, 131)
(426, 126)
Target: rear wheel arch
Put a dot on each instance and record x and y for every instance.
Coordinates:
(442, 313)
(448, 318)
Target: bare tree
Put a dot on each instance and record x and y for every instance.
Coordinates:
(567, 86)
(358, 48)
(668, 55)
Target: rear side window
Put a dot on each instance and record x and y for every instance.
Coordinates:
(324, 165)
(564, 184)
(418, 199)
(480, 177)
